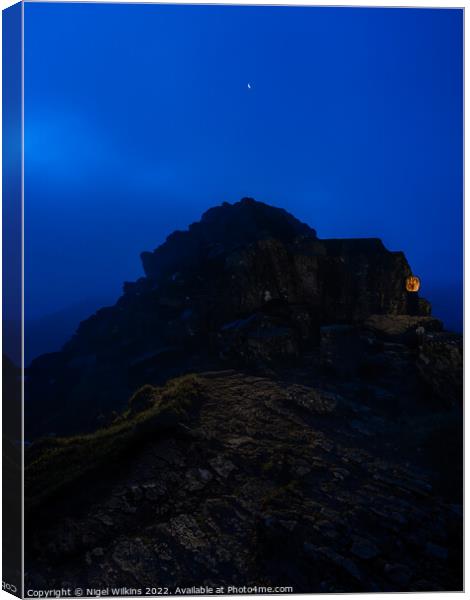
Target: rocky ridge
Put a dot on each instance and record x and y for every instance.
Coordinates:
(317, 444)
(325, 484)
(248, 285)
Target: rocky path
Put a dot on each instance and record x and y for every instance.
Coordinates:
(272, 483)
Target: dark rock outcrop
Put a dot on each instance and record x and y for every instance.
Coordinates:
(248, 284)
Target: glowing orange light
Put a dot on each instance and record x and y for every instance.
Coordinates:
(412, 283)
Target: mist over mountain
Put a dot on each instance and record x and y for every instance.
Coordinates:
(48, 333)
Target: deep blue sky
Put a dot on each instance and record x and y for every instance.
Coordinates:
(138, 118)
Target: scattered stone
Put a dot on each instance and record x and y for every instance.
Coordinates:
(364, 549)
(437, 551)
(222, 466)
(397, 573)
(345, 563)
(197, 479)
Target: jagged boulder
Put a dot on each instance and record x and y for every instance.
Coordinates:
(402, 327)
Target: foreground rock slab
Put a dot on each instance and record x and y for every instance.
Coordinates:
(270, 482)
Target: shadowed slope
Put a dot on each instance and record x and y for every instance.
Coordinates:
(327, 476)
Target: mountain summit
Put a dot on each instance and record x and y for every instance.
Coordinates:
(262, 408)
(248, 284)
(223, 229)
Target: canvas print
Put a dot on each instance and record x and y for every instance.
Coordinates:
(232, 299)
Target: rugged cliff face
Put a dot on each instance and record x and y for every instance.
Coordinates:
(307, 451)
(252, 253)
(248, 284)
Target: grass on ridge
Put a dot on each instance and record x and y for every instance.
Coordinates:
(54, 463)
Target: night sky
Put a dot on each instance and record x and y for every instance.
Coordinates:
(139, 117)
